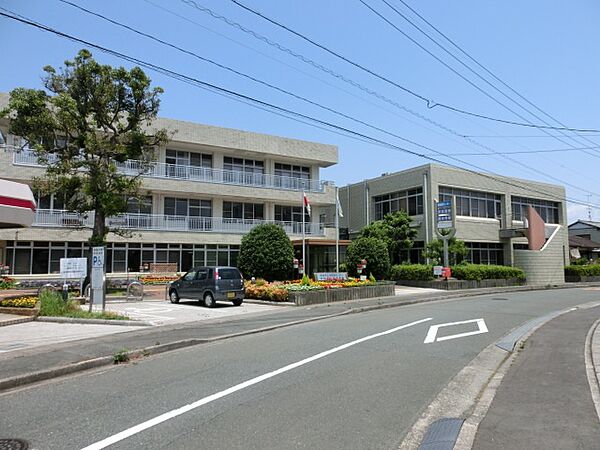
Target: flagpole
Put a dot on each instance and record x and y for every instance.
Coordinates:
(337, 230)
(303, 229)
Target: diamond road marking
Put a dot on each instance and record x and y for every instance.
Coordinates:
(433, 330)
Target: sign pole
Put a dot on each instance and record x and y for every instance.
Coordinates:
(445, 220)
(97, 297)
(337, 230)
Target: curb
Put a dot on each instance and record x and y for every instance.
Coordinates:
(592, 363)
(71, 368)
(54, 372)
(23, 319)
(482, 404)
(124, 323)
(470, 393)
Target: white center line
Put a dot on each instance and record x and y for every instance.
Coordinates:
(238, 387)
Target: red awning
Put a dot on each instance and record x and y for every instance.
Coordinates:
(17, 205)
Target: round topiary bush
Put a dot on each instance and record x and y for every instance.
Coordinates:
(374, 251)
(266, 252)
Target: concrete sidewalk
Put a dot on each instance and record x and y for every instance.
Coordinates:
(547, 400)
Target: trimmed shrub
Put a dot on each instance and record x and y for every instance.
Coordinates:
(484, 272)
(411, 272)
(374, 251)
(592, 270)
(266, 252)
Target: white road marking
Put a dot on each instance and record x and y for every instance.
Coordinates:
(433, 330)
(238, 387)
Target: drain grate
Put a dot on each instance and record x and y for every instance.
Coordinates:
(500, 299)
(442, 434)
(13, 444)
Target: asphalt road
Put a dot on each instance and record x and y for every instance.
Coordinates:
(352, 382)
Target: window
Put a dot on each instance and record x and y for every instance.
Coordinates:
(285, 213)
(410, 200)
(190, 276)
(181, 158)
(485, 253)
(229, 274)
(249, 211)
(188, 207)
(473, 203)
(414, 254)
(291, 171)
(139, 205)
(243, 165)
(548, 210)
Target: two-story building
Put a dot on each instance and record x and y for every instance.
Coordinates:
(490, 211)
(207, 188)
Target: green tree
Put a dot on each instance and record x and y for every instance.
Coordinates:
(374, 251)
(457, 251)
(266, 252)
(96, 116)
(395, 231)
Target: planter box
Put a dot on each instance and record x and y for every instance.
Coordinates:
(453, 285)
(20, 311)
(580, 279)
(341, 294)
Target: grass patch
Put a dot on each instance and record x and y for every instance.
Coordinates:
(51, 304)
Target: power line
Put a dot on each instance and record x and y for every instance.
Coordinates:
(430, 103)
(259, 103)
(271, 86)
(489, 71)
(393, 25)
(304, 99)
(345, 79)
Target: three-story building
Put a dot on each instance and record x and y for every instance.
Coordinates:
(207, 188)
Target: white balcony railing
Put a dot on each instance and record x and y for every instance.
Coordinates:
(194, 173)
(156, 222)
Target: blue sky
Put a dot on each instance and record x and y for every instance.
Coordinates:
(544, 49)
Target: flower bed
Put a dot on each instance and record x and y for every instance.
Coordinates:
(7, 283)
(291, 290)
(19, 302)
(20, 305)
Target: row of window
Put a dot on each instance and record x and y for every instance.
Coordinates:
(548, 210)
(183, 158)
(410, 200)
(44, 257)
(473, 203)
(468, 203)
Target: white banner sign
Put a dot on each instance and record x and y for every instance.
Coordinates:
(73, 267)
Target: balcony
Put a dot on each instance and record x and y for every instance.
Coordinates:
(156, 222)
(193, 173)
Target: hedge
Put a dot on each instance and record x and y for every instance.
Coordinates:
(411, 272)
(461, 272)
(485, 272)
(593, 270)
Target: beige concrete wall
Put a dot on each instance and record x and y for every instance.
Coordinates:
(544, 266)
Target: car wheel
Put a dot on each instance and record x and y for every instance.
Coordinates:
(173, 296)
(238, 301)
(209, 300)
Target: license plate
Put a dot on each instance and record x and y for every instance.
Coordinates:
(231, 295)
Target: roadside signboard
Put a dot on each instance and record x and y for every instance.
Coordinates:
(330, 276)
(98, 257)
(73, 268)
(437, 270)
(444, 214)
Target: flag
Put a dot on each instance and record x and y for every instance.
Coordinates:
(306, 204)
(339, 205)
